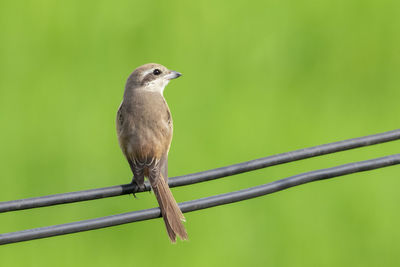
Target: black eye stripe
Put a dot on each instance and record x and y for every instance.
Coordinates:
(157, 72)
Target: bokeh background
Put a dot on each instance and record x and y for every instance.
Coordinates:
(260, 78)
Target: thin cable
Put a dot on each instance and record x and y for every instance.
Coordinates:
(118, 190)
(202, 203)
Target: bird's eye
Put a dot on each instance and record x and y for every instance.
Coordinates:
(157, 72)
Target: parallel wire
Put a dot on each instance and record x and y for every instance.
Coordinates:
(202, 203)
(202, 176)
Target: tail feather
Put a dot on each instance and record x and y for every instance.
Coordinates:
(170, 211)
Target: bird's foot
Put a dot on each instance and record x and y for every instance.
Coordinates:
(138, 187)
(142, 188)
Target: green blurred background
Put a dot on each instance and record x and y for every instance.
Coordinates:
(260, 78)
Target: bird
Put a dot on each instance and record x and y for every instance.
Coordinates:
(144, 129)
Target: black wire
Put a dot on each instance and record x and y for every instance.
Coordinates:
(202, 203)
(202, 176)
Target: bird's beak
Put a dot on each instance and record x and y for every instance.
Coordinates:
(173, 75)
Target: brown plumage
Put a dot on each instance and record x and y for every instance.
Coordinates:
(144, 128)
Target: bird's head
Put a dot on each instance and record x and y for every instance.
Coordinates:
(151, 77)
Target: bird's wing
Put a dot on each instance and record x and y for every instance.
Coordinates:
(164, 166)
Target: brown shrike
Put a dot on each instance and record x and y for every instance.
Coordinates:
(144, 128)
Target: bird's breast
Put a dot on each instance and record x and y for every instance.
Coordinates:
(145, 129)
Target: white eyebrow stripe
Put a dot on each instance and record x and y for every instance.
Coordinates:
(146, 72)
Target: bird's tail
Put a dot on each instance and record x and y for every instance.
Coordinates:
(170, 210)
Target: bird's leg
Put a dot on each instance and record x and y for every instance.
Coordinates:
(138, 179)
(135, 184)
(137, 168)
